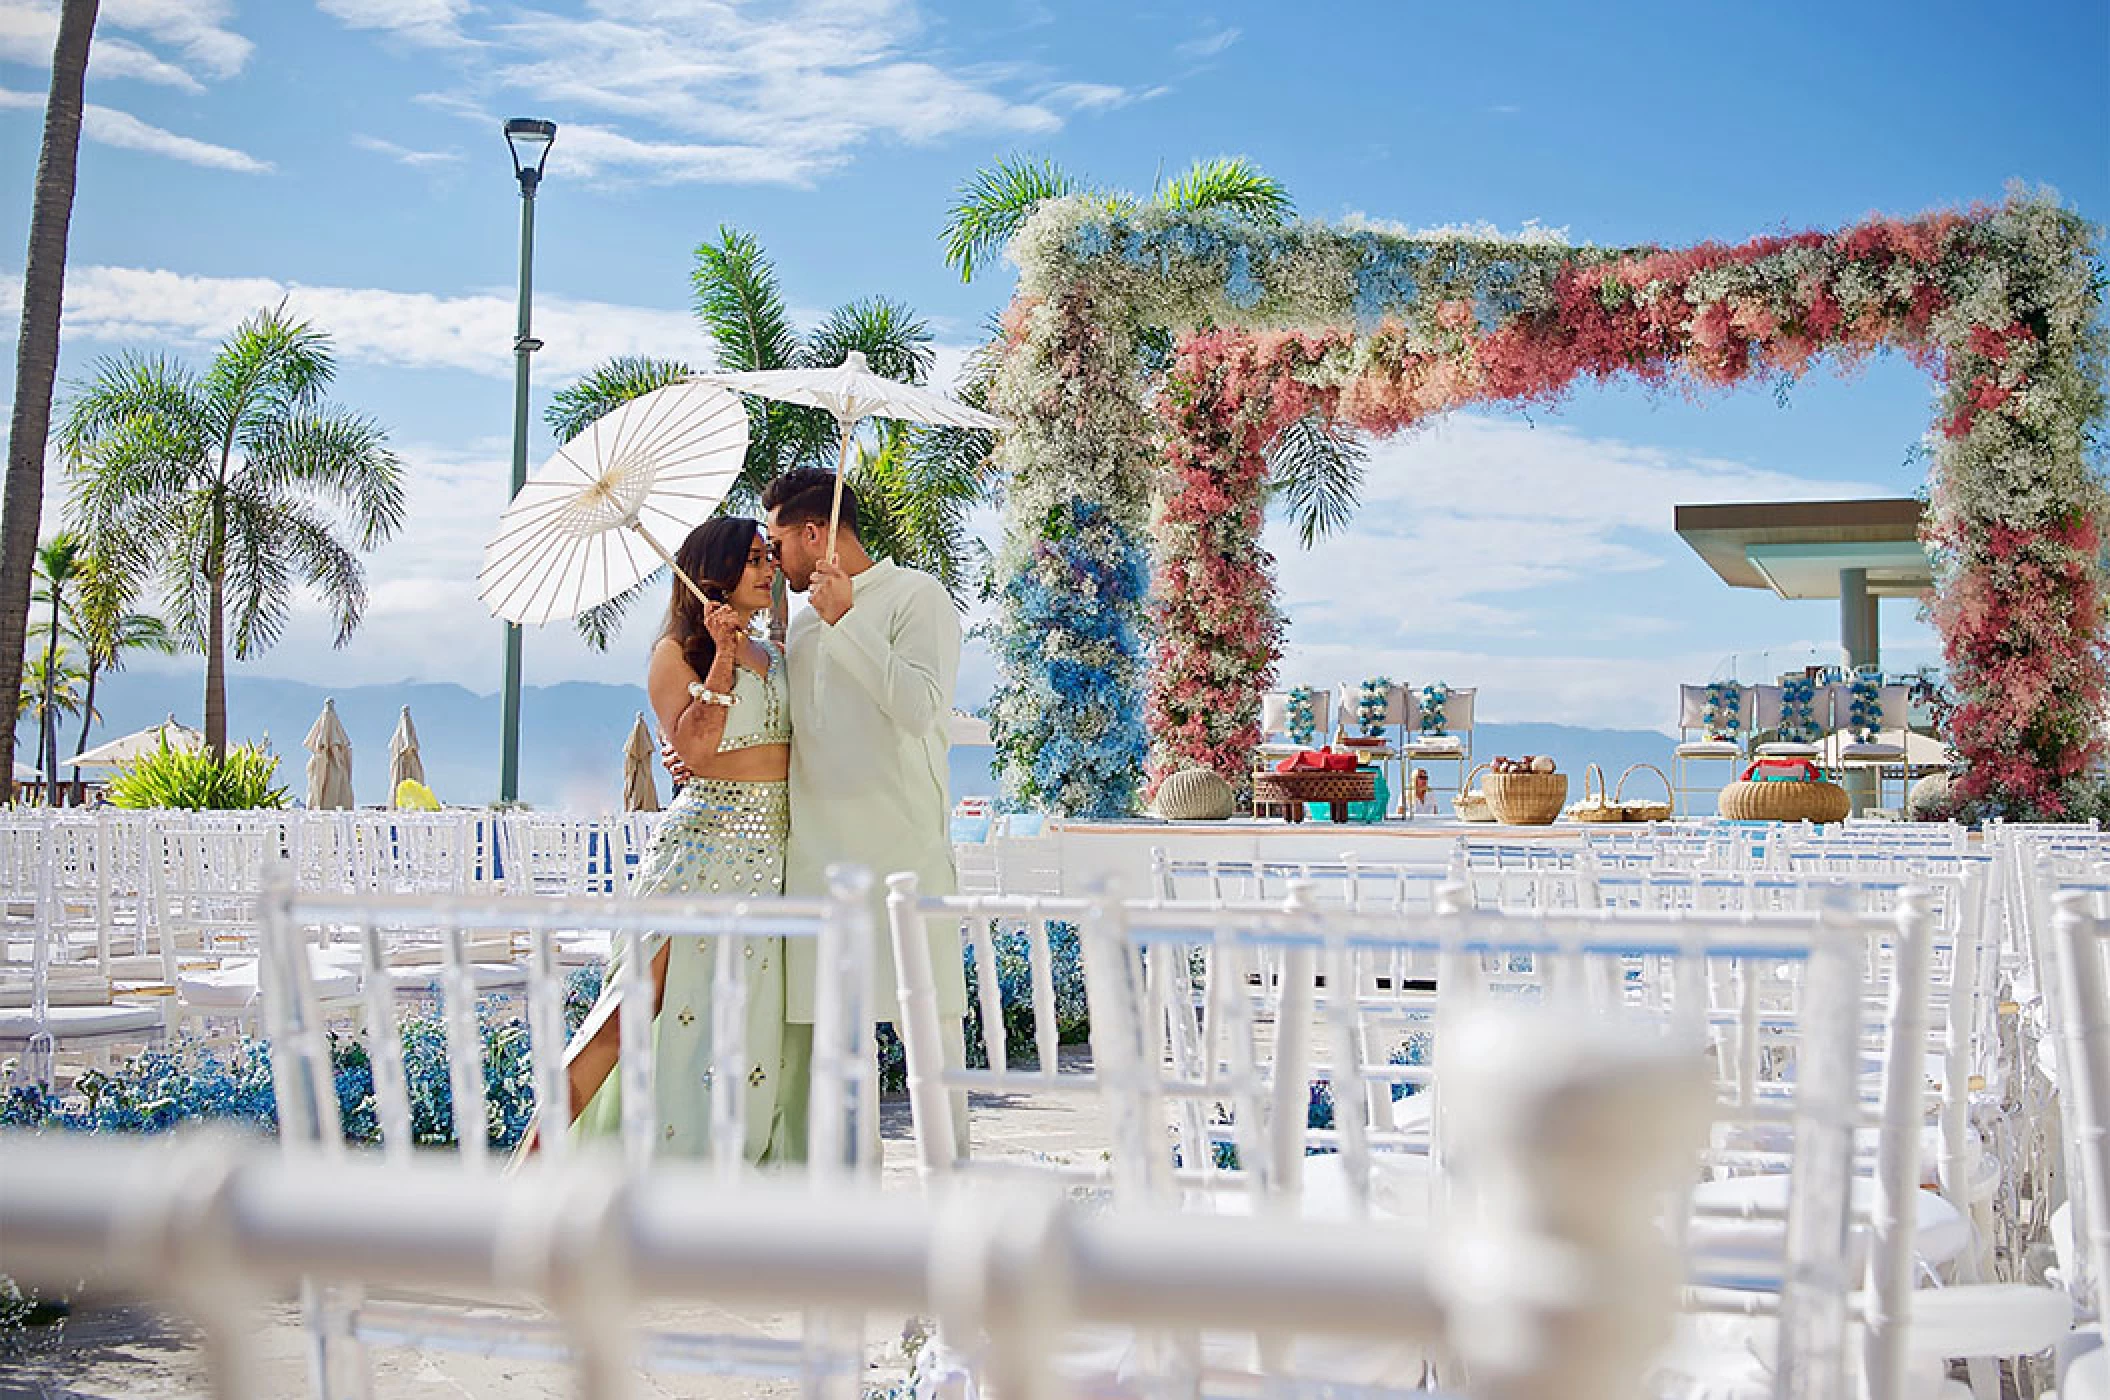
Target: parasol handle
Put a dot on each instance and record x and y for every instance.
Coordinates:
(835, 507)
(661, 551)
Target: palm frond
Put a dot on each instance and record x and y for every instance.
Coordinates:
(916, 491)
(599, 625)
(271, 365)
(994, 203)
(1316, 469)
(259, 555)
(607, 387)
(340, 456)
(127, 388)
(892, 337)
(321, 561)
(1232, 184)
(739, 302)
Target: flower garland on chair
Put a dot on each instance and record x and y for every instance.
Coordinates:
(1435, 705)
(1865, 707)
(1798, 711)
(1372, 699)
(1303, 722)
(1723, 716)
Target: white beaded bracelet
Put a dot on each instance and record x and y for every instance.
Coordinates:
(699, 691)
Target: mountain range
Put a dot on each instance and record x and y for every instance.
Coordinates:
(572, 736)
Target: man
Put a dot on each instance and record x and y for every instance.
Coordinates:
(872, 662)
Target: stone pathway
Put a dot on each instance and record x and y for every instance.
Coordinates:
(137, 1352)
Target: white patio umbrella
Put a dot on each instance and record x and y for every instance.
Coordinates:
(26, 774)
(329, 761)
(130, 748)
(853, 393)
(614, 504)
(405, 763)
(640, 792)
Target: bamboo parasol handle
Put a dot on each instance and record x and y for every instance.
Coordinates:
(661, 551)
(835, 507)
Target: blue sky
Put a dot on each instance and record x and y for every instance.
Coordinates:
(346, 153)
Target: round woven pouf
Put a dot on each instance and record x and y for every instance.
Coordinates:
(1785, 802)
(1195, 795)
(1285, 794)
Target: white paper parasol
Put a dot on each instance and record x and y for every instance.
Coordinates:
(853, 393)
(614, 503)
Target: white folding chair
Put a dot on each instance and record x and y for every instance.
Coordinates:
(1698, 746)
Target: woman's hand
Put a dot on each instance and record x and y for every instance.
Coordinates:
(727, 627)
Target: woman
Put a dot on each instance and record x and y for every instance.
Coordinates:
(722, 702)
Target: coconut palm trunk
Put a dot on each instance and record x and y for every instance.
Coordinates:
(48, 728)
(37, 350)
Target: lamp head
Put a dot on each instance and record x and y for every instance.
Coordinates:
(529, 139)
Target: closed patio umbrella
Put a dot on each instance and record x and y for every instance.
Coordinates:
(329, 762)
(640, 792)
(405, 764)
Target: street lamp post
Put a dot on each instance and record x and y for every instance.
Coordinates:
(529, 140)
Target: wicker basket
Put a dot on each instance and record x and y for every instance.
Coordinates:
(1195, 795)
(1595, 807)
(1785, 802)
(1638, 810)
(1471, 803)
(1526, 799)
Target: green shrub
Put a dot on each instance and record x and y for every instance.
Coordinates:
(199, 783)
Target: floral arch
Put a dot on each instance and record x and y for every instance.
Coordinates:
(1135, 492)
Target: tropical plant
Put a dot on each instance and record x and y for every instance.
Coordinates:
(1315, 469)
(228, 488)
(107, 629)
(199, 781)
(37, 349)
(60, 563)
(740, 303)
(51, 686)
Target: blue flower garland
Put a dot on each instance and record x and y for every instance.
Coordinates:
(1302, 722)
(1435, 700)
(1371, 701)
(1865, 713)
(1798, 711)
(1724, 714)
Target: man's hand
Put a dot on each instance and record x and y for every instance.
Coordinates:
(830, 592)
(676, 769)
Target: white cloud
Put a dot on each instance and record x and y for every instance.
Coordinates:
(109, 127)
(195, 28)
(404, 154)
(378, 326)
(670, 93)
(1207, 45)
(1098, 97)
(431, 22)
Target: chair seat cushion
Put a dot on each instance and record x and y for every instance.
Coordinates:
(232, 986)
(1986, 1319)
(1941, 1232)
(77, 1022)
(1709, 748)
(488, 977)
(1435, 743)
(1789, 750)
(1871, 752)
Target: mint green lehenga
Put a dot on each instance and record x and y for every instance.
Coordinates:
(718, 838)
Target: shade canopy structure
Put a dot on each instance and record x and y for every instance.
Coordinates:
(965, 731)
(130, 748)
(1855, 551)
(405, 763)
(26, 774)
(329, 762)
(852, 392)
(614, 504)
(640, 790)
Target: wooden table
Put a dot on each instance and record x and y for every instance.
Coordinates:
(1285, 794)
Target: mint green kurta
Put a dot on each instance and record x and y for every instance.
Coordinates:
(871, 698)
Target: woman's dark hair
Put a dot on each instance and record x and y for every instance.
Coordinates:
(715, 555)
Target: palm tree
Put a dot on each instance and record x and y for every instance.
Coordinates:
(107, 629)
(741, 305)
(51, 689)
(37, 350)
(60, 563)
(1315, 468)
(229, 488)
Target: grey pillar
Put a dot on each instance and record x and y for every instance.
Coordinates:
(1857, 634)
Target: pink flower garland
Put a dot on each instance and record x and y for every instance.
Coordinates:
(2019, 611)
